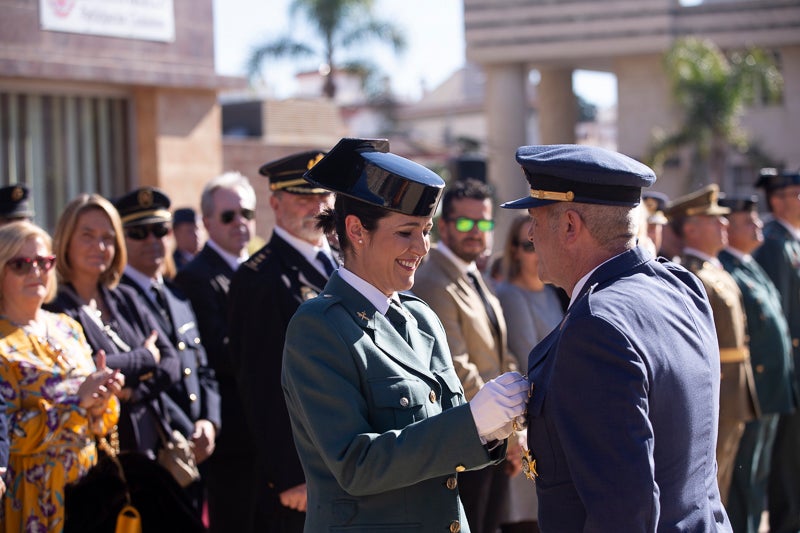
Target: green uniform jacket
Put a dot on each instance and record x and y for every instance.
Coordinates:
(770, 349)
(737, 394)
(381, 429)
(779, 256)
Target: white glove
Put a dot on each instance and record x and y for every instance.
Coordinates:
(498, 402)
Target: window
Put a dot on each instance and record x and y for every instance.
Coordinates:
(63, 145)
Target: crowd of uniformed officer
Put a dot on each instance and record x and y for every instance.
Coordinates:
(226, 315)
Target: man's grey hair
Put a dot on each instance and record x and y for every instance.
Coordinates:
(234, 181)
(612, 226)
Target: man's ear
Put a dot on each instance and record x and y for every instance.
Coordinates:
(572, 224)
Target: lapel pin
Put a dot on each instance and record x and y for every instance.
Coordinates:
(363, 316)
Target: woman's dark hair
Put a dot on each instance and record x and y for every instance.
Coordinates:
(332, 220)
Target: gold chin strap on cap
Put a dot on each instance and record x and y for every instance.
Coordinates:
(553, 195)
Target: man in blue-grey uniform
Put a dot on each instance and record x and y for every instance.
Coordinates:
(770, 358)
(624, 394)
(779, 256)
(192, 405)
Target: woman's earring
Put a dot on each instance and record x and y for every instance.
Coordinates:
(360, 241)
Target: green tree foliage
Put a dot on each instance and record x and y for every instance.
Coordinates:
(340, 25)
(711, 89)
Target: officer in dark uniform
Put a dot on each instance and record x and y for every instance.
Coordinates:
(193, 403)
(14, 204)
(265, 292)
(186, 230)
(779, 256)
(770, 358)
(624, 398)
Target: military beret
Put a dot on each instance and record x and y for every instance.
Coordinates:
(14, 202)
(286, 174)
(146, 205)
(365, 170)
(184, 215)
(739, 203)
(655, 202)
(578, 173)
(700, 202)
(770, 179)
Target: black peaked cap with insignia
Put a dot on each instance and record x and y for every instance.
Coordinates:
(579, 173)
(365, 170)
(771, 180)
(286, 173)
(146, 205)
(14, 202)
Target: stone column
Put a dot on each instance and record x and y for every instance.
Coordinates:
(558, 108)
(507, 111)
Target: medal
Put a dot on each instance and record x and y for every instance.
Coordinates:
(529, 465)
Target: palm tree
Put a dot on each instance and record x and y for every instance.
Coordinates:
(712, 89)
(341, 24)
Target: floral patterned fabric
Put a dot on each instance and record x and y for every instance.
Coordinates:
(52, 443)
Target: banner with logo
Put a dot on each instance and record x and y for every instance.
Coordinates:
(150, 20)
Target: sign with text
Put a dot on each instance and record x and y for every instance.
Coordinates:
(150, 20)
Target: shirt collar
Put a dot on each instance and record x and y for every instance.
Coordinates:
(462, 265)
(367, 290)
(232, 260)
(142, 280)
(688, 250)
(741, 256)
(795, 232)
(576, 290)
(306, 249)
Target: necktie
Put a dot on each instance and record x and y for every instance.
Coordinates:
(327, 264)
(398, 319)
(161, 304)
(489, 309)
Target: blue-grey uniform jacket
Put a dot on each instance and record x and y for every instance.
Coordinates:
(381, 429)
(625, 403)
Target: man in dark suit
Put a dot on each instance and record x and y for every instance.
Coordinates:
(450, 282)
(779, 256)
(770, 358)
(228, 206)
(193, 406)
(265, 292)
(624, 398)
(699, 221)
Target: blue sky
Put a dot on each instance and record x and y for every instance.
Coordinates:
(435, 48)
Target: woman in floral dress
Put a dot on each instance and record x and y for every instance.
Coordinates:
(57, 400)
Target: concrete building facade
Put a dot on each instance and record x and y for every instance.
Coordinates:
(508, 38)
(82, 110)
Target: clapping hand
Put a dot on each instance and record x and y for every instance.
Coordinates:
(99, 386)
(497, 405)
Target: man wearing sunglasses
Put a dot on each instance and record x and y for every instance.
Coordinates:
(265, 292)
(193, 403)
(228, 205)
(450, 282)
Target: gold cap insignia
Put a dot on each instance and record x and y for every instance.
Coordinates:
(314, 161)
(145, 198)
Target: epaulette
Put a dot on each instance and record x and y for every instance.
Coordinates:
(256, 259)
